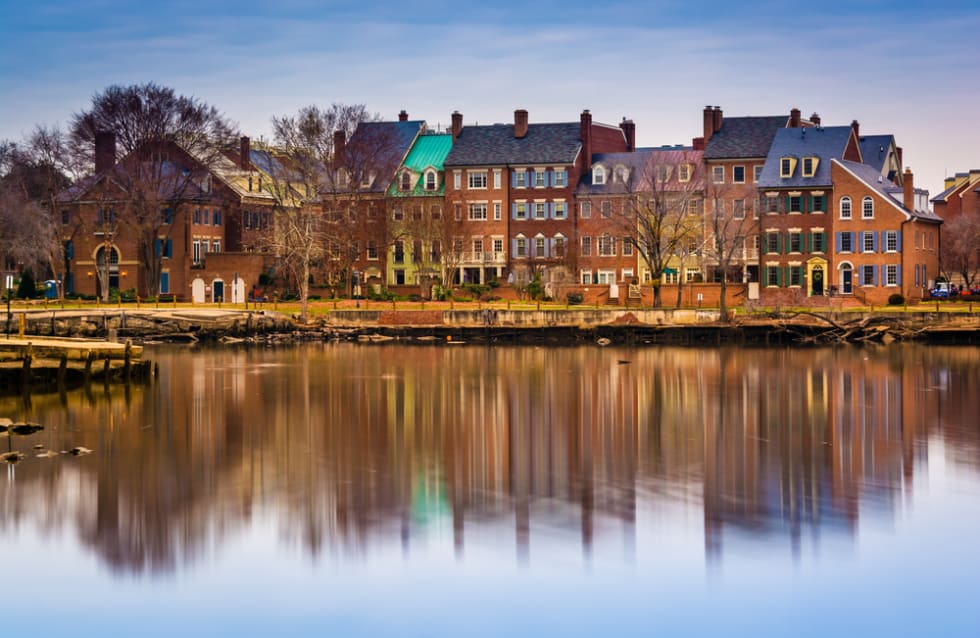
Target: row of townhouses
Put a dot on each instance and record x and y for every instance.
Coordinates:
(782, 206)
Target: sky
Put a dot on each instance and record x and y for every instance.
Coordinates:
(909, 68)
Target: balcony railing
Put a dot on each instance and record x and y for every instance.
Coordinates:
(483, 257)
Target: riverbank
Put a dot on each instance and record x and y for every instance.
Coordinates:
(529, 324)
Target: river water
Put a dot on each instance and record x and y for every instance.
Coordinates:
(354, 490)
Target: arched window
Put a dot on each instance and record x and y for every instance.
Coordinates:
(406, 181)
(867, 208)
(430, 181)
(598, 175)
(845, 207)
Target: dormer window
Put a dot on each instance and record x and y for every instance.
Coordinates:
(810, 166)
(663, 174)
(430, 181)
(787, 165)
(598, 176)
(683, 172)
(621, 174)
(406, 181)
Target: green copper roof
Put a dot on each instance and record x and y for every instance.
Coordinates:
(428, 151)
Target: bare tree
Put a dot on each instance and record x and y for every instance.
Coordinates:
(729, 227)
(167, 146)
(961, 248)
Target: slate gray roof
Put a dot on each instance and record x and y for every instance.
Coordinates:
(385, 145)
(875, 148)
(635, 162)
(496, 145)
(870, 176)
(825, 143)
(744, 137)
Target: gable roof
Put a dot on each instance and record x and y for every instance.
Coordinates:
(496, 145)
(383, 145)
(875, 150)
(642, 163)
(744, 137)
(825, 143)
(429, 151)
(873, 180)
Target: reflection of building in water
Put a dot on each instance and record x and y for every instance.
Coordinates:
(351, 446)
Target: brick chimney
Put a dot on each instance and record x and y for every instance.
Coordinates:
(339, 148)
(629, 131)
(794, 118)
(709, 123)
(856, 128)
(403, 116)
(717, 118)
(698, 143)
(815, 119)
(898, 151)
(909, 190)
(520, 123)
(585, 134)
(245, 153)
(457, 124)
(105, 151)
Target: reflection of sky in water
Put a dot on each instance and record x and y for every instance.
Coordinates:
(903, 562)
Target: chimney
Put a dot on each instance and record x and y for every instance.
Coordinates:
(698, 143)
(794, 118)
(457, 124)
(717, 118)
(909, 195)
(629, 130)
(898, 151)
(585, 134)
(520, 123)
(105, 151)
(856, 128)
(709, 123)
(403, 116)
(245, 153)
(815, 119)
(339, 148)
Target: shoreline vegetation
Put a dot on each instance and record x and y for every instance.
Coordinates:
(500, 322)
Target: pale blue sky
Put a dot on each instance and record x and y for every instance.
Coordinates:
(897, 67)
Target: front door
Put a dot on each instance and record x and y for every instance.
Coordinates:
(217, 291)
(845, 281)
(816, 281)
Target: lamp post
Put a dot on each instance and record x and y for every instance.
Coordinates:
(355, 288)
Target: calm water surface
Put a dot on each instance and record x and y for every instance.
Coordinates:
(460, 491)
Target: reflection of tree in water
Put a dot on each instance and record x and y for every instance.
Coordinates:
(347, 447)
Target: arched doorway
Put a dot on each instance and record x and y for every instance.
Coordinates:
(100, 267)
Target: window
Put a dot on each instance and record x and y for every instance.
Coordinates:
(521, 247)
(598, 175)
(476, 179)
(217, 217)
(372, 249)
(818, 242)
(772, 242)
(540, 210)
(818, 204)
(891, 241)
(772, 276)
(436, 212)
(196, 251)
(663, 174)
(772, 205)
(586, 277)
(621, 174)
(585, 210)
(496, 178)
(756, 173)
(891, 275)
(847, 242)
(627, 246)
(406, 181)
(605, 209)
(795, 242)
(478, 212)
(164, 248)
(540, 179)
(796, 276)
(845, 207)
(684, 173)
(196, 217)
(397, 214)
(477, 248)
(867, 242)
(867, 275)
(867, 208)
(520, 179)
(718, 174)
(496, 211)
(786, 166)
(627, 274)
(795, 204)
(559, 244)
(586, 246)
(498, 246)
(430, 181)
(520, 210)
(457, 180)
(738, 174)
(694, 207)
(810, 166)
(607, 246)
(738, 209)
(399, 252)
(561, 177)
(166, 216)
(560, 212)
(457, 211)
(417, 213)
(215, 245)
(435, 251)
(539, 250)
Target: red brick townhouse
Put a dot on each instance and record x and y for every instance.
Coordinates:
(884, 235)
(512, 186)
(960, 199)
